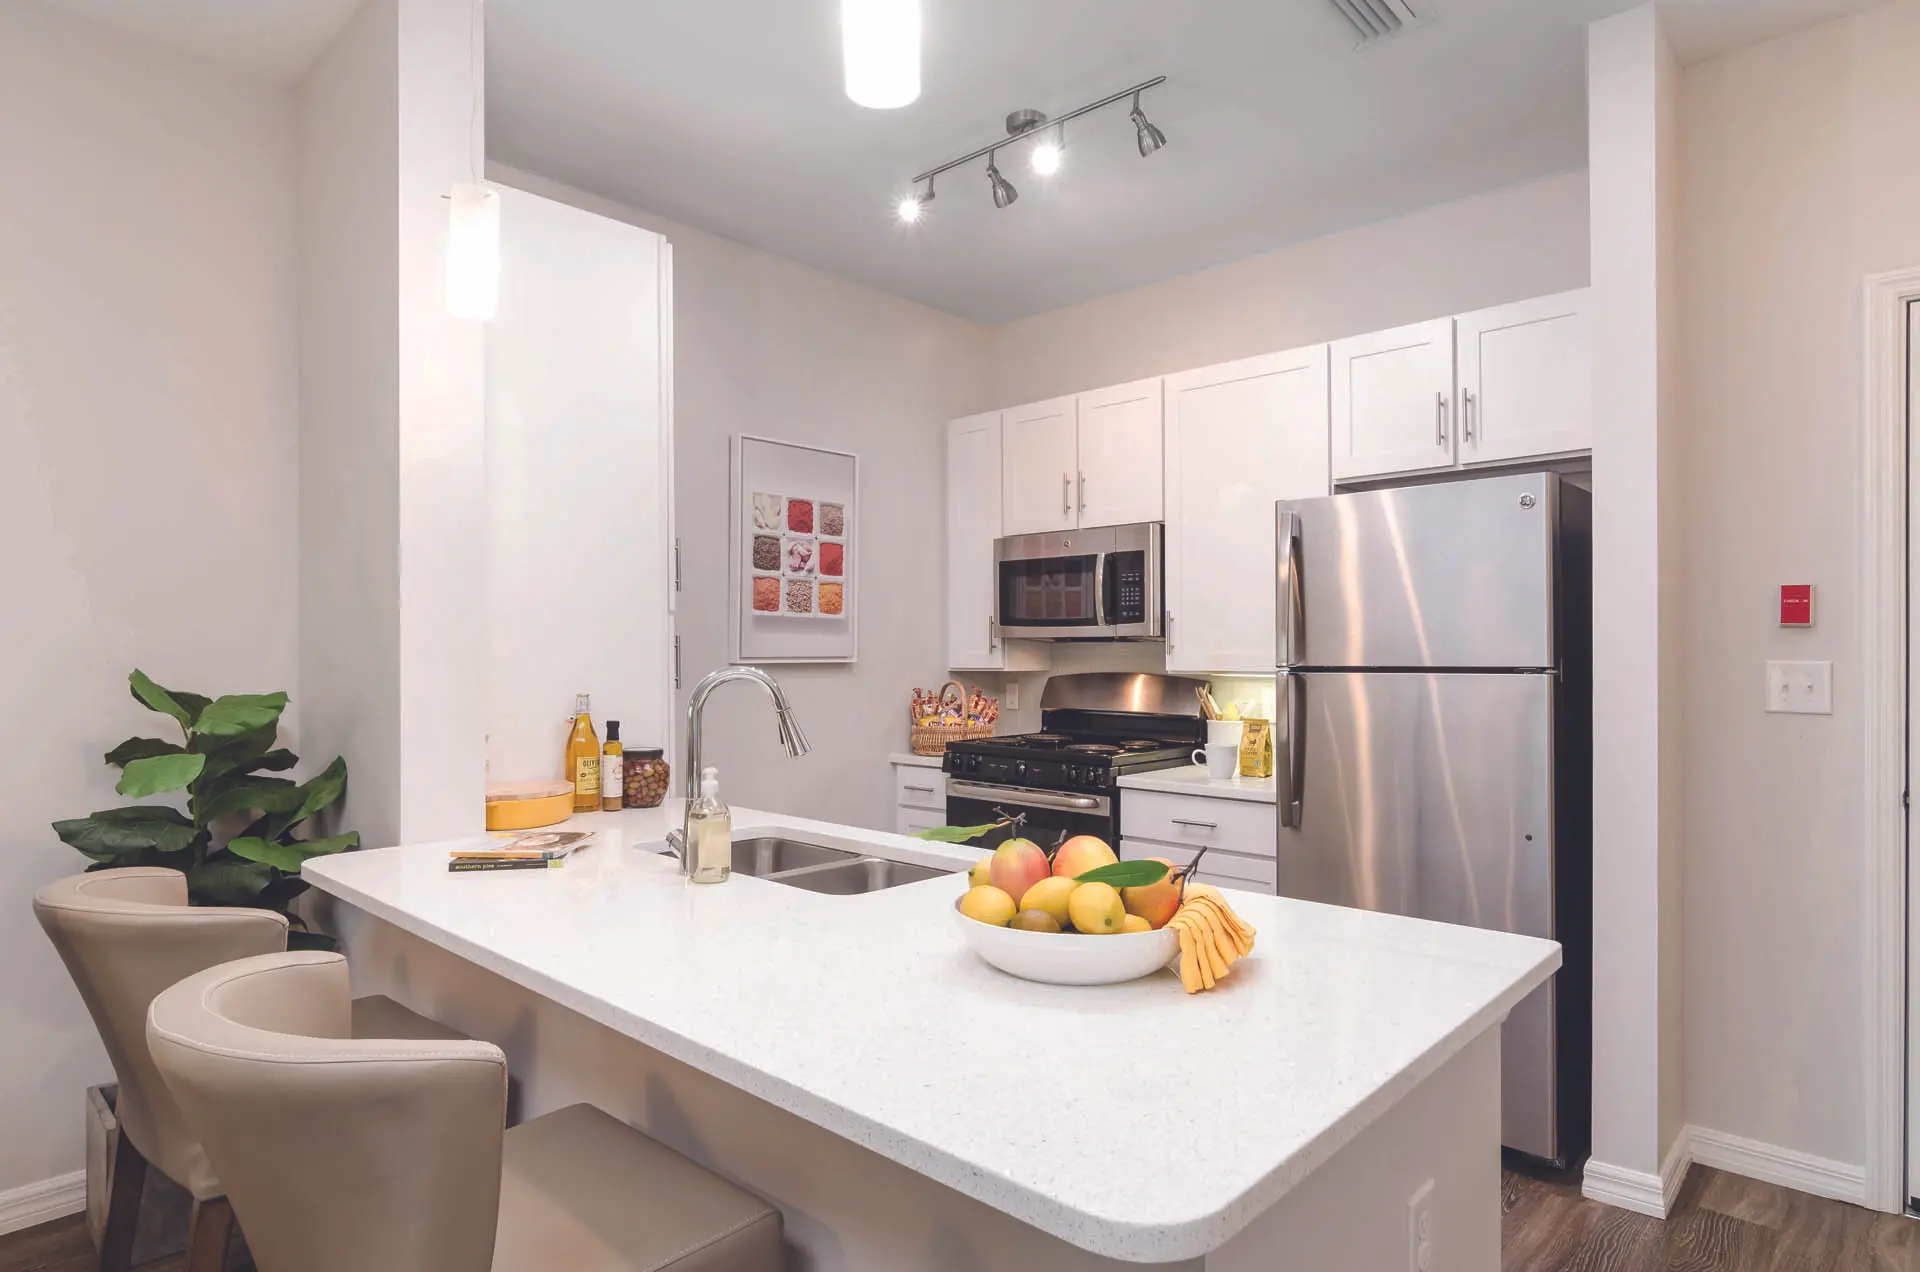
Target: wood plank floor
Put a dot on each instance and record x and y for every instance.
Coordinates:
(1723, 1224)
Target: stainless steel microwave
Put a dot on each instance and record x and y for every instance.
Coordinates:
(1100, 584)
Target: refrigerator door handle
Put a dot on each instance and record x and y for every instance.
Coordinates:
(1292, 768)
(1288, 627)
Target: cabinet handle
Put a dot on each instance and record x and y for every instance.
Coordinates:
(1083, 492)
(1066, 494)
(1467, 408)
(1440, 434)
(1169, 631)
(1196, 825)
(919, 790)
(993, 634)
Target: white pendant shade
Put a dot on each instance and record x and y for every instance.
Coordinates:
(473, 253)
(880, 40)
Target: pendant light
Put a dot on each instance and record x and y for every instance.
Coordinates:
(880, 42)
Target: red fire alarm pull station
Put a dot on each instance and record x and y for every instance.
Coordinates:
(1796, 605)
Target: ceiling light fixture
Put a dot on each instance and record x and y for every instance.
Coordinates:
(1047, 151)
(880, 44)
(1004, 194)
(914, 206)
(1149, 138)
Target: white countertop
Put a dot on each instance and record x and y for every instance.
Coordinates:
(918, 761)
(1192, 779)
(868, 1016)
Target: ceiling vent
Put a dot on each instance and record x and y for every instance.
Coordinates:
(1377, 19)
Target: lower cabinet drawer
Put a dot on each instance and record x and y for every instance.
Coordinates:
(1221, 869)
(1236, 825)
(916, 787)
(911, 821)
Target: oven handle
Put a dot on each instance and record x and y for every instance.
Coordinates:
(1028, 799)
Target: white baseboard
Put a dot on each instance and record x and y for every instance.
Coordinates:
(1803, 1172)
(54, 1198)
(1637, 1190)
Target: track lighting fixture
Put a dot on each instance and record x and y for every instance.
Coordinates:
(1046, 153)
(1149, 138)
(1003, 192)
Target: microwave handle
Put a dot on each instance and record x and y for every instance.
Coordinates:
(1102, 564)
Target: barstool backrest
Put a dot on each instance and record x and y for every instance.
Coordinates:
(125, 935)
(337, 1153)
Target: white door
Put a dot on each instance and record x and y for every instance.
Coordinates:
(1526, 380)
(1120, 441)
(1393, 401)
(1239, 438)
(973, 523)
(1039, 467)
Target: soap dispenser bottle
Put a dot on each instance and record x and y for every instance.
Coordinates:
(709, 833)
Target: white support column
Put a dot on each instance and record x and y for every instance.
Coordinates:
(1639, 1152)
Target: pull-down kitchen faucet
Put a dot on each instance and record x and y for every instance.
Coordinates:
(791, 736)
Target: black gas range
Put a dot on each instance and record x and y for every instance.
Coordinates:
(1063, 780)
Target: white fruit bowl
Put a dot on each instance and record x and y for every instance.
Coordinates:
(1069, 958)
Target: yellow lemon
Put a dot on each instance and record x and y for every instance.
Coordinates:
(1134, 923)
(1096, 909)
(977, 877)
(988, 905)
(1050, 895)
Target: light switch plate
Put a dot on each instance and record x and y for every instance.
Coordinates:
(1800, 688)
(1013, 695)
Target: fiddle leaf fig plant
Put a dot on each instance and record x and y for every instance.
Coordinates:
(236, 840)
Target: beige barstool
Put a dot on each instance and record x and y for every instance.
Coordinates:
(125, 935)
(357, 1155)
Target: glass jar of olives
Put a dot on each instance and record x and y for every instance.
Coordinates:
(646, 777)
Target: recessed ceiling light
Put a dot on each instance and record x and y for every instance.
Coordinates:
(880, 42)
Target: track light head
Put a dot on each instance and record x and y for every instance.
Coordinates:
(914, 206)
(1047, 153)
(1148, 137)
(1004, 194)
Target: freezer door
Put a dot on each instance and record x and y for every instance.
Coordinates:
(1431, 796)
(1452, 575)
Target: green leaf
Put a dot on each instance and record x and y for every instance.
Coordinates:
(159, 773)
(288, 857)
(251, 794)
(318, 792)
(142, 749)
(154, 698)
(235, 754)
(956, 834)
(272, 762)
(1126, 874)
(118, 833)
(236, 713)
(330, 845)
(227, 881)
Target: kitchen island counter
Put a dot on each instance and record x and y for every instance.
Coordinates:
(1134, 1122)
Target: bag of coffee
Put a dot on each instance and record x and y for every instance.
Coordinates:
(1256, 749)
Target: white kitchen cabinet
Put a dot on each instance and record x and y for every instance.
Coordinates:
(1119, 480)
(920, 797)
(1526, 380)
(1238, 437)
(1040, 466)
(973, 523)
(1393, 401)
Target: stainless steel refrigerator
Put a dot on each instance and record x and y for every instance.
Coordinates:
(1434, 746)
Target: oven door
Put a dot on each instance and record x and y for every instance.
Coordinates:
(1051, 817)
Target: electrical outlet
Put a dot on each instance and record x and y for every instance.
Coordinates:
(1800, 688)
(1420, 1256)
(1013, 695)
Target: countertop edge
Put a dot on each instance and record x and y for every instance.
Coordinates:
(1192, 788)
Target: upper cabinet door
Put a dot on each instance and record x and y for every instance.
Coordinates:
(1526, 380)
(1040, 468)
(973, 523)
(1120, 441)
(1239, 438)
(1393, 409)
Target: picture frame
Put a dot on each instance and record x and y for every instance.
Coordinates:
(792, 552)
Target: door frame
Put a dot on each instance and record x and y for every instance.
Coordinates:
(1884, 485)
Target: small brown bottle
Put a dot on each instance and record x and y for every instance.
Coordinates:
(612, 770)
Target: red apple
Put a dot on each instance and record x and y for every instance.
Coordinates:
(1018, 864)
(1081, 854)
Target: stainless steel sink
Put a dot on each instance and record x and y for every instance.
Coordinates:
(850, 878)
(770, 855)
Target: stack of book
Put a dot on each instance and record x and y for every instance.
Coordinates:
(536, 850)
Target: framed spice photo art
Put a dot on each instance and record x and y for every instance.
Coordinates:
(792, 558)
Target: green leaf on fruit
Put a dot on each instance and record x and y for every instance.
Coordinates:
(1126, 874)
(956, 834)
(158, 773)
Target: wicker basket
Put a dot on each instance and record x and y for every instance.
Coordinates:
(932, 739)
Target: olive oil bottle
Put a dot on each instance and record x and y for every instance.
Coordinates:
(612, 770)
(583, 759)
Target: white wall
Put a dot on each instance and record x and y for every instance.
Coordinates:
(1528, 240)
(766, 346)
(1632, 80)
(147, 431)
(1798, 181)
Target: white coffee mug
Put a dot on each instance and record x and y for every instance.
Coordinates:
(1220, 761)
(1225, 732)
